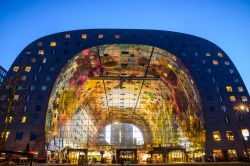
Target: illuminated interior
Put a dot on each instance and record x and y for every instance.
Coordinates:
(135, 85)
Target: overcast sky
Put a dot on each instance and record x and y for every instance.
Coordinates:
(223, 22)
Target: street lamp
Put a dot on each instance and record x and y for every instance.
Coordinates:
(241, 108)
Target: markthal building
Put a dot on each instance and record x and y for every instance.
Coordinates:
(116, 95)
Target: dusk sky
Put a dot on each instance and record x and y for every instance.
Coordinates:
(223, 22)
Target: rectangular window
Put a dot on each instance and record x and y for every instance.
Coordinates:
(33, 60)
(67, 36)
(244, 98)
(41, 52)
(25, 109)
(35, 120)
(230, 135)
(245, 133)
(117, 36)
(216, 135)
(28, 52)
(33, 136)
(232, 153)
(44, 88)
(52, 44)
(208, 54)
(39, 44)
(231, 71)
(10, 119)
(215, 62)
(232, 98)
(16, 68)
(100, 36)
(84, 36)
(27, 68)
(32, 87)
(16, 97)
(240, 89)
(19, 135)
(226, 63)
(220, 54)
(44, 60)
(23, 78)
(229, 89)
(217, 153)
(23, 119)
(48, 78)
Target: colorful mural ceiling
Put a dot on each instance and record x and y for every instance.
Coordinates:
(126, 83)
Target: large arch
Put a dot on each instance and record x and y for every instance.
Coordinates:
(129, 83)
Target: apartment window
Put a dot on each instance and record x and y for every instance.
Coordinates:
(100, 36)
(215, 62)
(27, 68)
(223, 108)
(217, 153)
(52, 69)
(16, 68)
(208, 54)
(23, 78)
(7, 134)
(67, 36)
(220, 55)
(25, 109)
(44, 88)
(10, 119)
(33, 136)
(245, 133)
(32, 87)
(216, 135)
(40, 97)
(28, 52)
(84, 36)
(33, 60)
(231, 71)
(229, 89)
(230, 135)
(52, 44)
(232, 98)
(41, 52)
(117, 36)
(16, 97)
(244, 98)
(35, 119)
(226, 63)
(44, 60)
(240, 89)
(23, 119)
(19, 135)
(232, 153)
(48, 78)
(39, 44)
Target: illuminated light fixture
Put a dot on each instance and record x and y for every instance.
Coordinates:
(170, 66)
(220, 54)
(215, 62)
(53, 44)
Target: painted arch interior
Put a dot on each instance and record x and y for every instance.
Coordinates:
(128, 84)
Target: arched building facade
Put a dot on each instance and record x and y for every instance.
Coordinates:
(109, 89)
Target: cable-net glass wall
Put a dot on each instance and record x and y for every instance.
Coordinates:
(123, 95)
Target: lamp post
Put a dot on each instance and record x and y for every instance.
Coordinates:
(241, 108)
